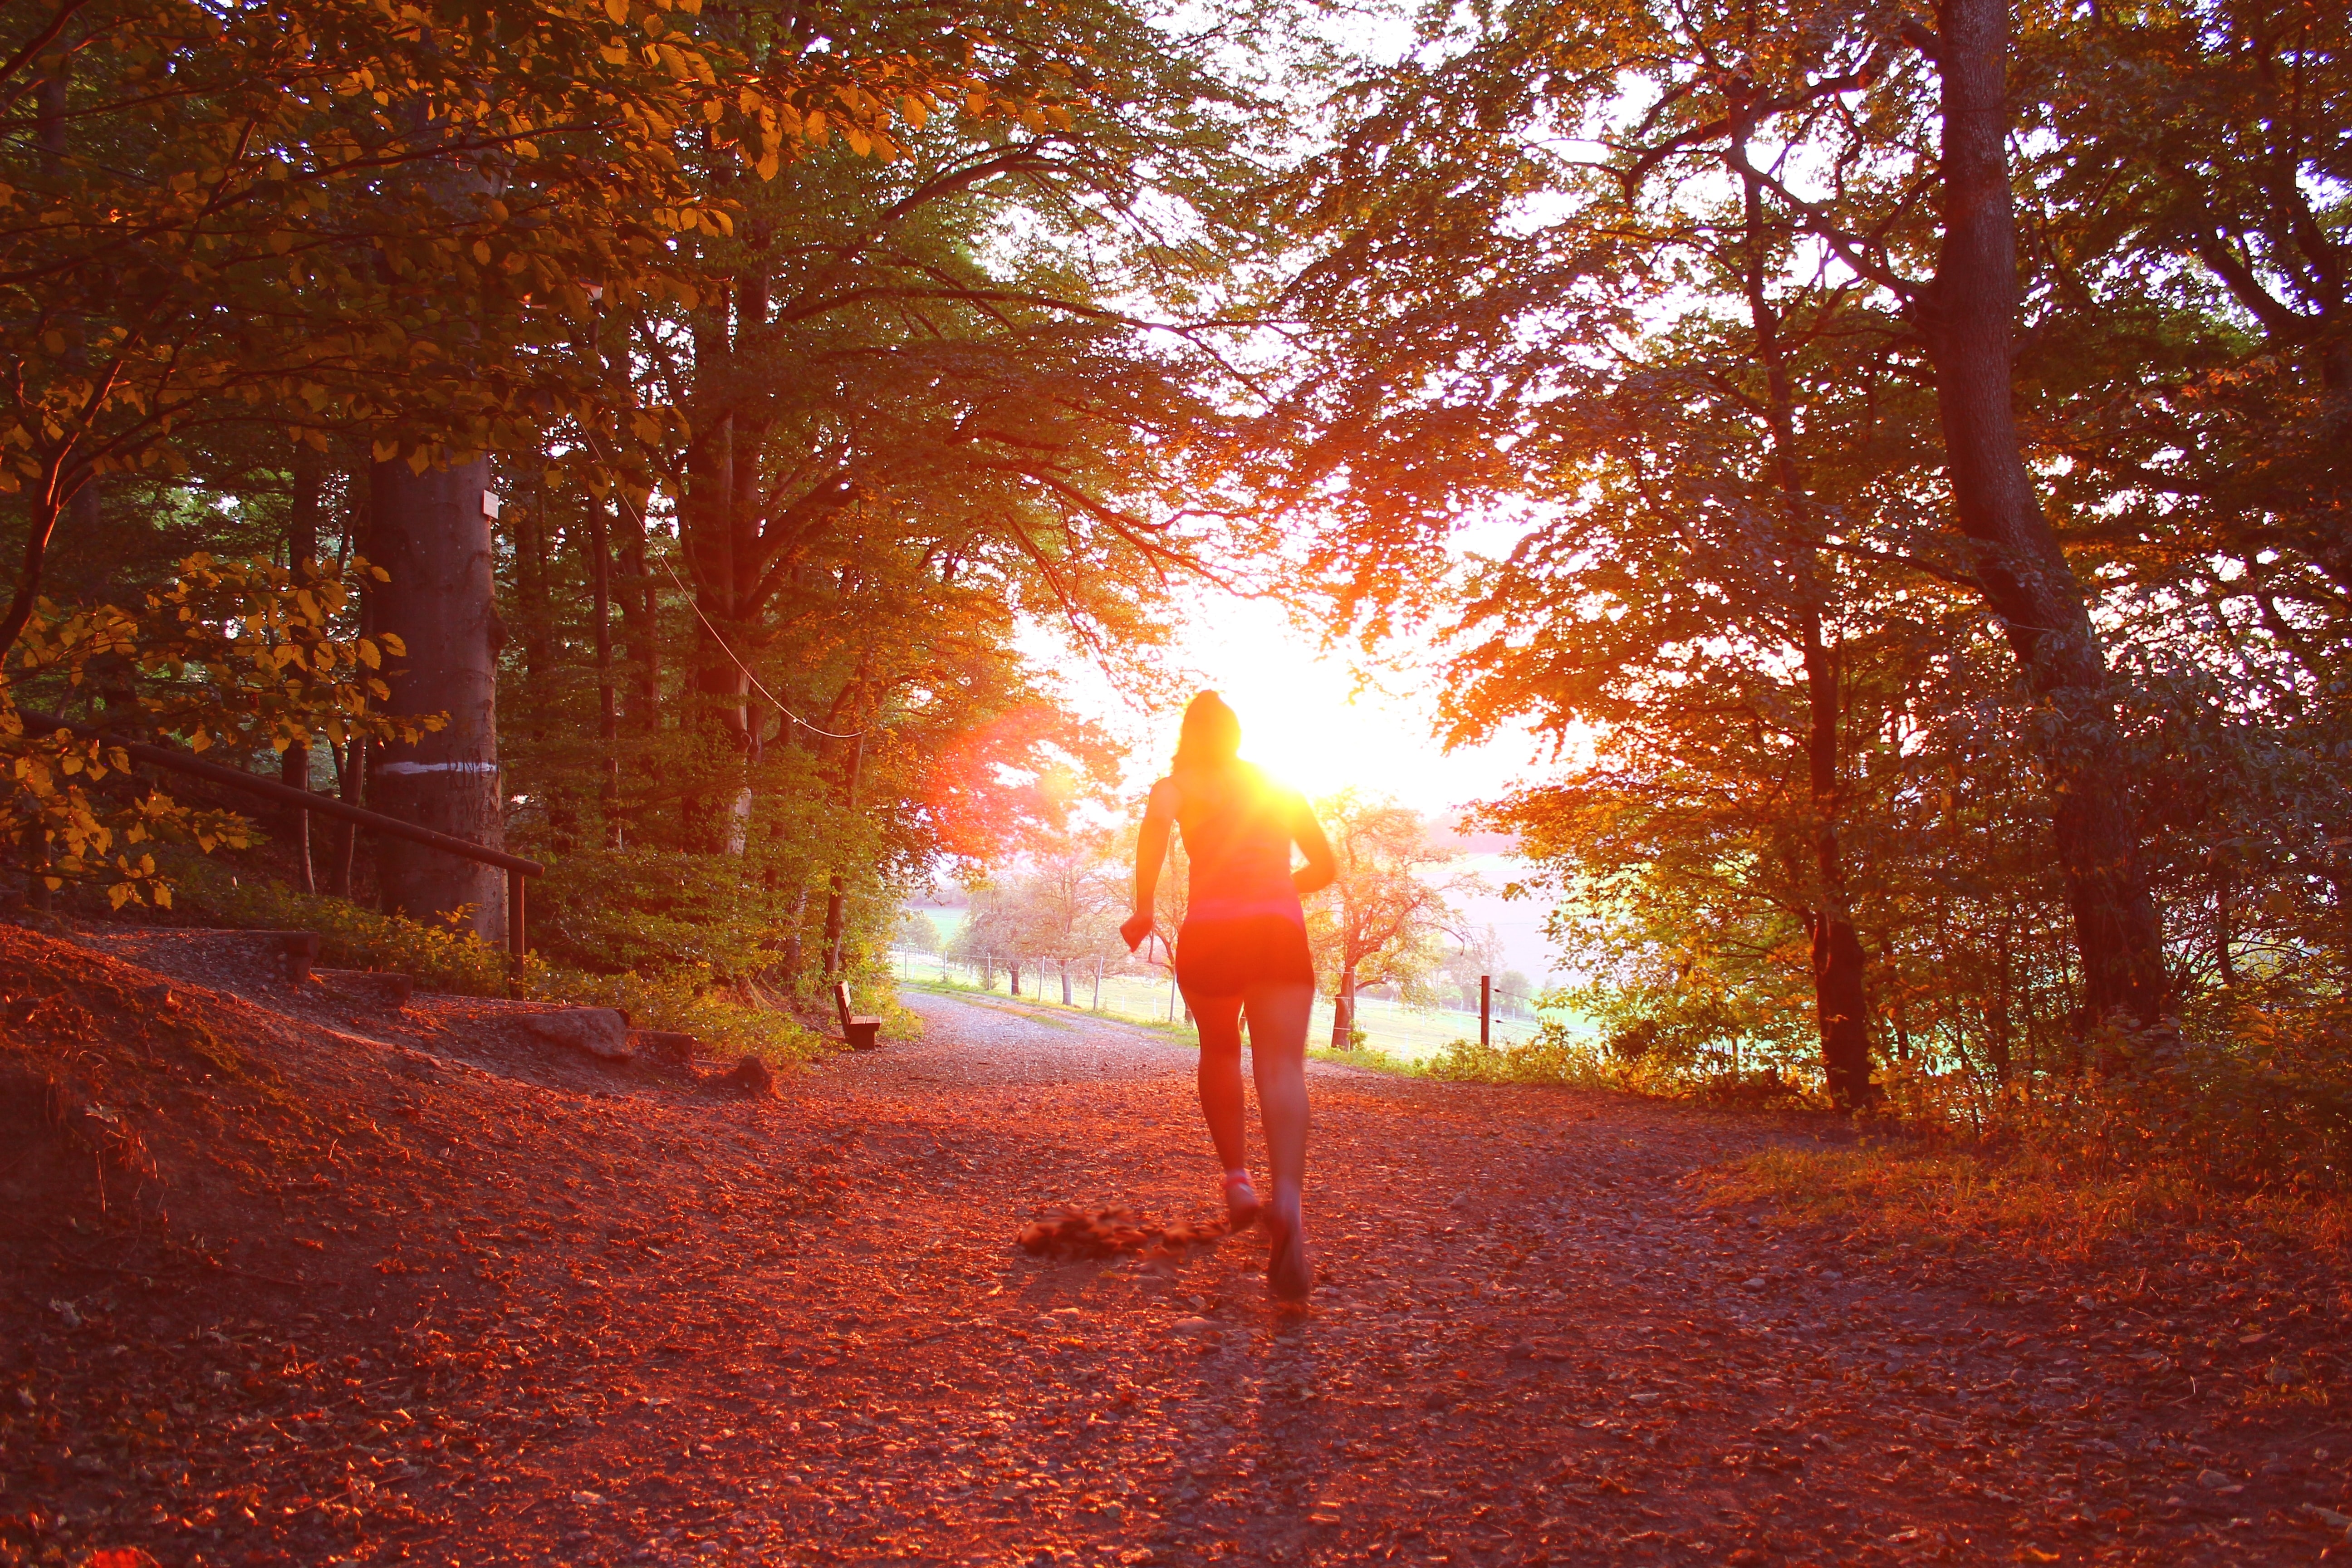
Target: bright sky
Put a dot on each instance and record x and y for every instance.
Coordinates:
(1303, 719)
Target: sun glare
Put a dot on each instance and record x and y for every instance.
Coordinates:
(1305, 721)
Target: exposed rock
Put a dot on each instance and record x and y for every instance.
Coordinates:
(601, 1032)
(385, 988)
(664, 1045)
(751, 1078)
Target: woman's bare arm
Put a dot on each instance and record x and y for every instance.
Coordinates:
(1150, 853)
(1321, 869)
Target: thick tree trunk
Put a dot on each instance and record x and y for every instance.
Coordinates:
(722, 704)
(720, 536)
(1343, 1011)
(1065, 967)
(431, 533)
(719, 817)
(1967, 319)
(64, 486)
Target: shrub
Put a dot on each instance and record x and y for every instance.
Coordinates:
(683, 997)
(439, 957)
(1558, 1056)
(620, 912)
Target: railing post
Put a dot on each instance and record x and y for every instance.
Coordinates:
(518, 914)
(36, 858)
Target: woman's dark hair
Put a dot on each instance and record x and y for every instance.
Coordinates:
(1212, 732)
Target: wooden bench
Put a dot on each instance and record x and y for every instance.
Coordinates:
(859, 1032)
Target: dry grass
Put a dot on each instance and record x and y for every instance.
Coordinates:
(1897, 1192)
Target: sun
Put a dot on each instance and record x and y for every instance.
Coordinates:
(1305, 721)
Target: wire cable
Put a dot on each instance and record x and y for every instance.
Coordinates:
(756, 684)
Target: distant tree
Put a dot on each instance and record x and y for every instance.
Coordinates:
(1382, 919)
(1070, 903)
(1514, 993)
(917, 933)
(992, 933)
(1474, 955)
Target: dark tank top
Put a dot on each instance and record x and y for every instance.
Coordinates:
(1240, 849)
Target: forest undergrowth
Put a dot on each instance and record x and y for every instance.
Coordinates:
(733, 1016)
(2232, 1140)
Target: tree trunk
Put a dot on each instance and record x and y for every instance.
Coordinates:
(640, 624)
(719, 535)
(1967, 319)
(1065, 966)
(2225, 933)
(351, 783)
(1999, 1032)
(1013, 969)
(608, 713)
(837, 902)
(1343, 1011)
(64, 486)
(1841, 1003)
(837, 919)
(431, 533)
(528, 536)
(719, 817)
(301, 564)
(1840, 997)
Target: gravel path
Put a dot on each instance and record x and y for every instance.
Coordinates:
(644, 1325)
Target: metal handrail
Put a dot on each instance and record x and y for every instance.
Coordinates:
(515, 866)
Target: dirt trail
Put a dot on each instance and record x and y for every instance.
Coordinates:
(537, 1318)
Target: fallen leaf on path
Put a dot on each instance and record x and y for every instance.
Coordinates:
(1109, 1231)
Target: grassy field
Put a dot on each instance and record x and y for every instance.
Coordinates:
(1405, 1033)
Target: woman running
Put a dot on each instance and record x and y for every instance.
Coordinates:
(1242, 948)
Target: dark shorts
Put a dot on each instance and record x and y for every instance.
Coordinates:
(1225, 958)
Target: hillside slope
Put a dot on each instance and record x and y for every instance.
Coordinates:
(258, 1233)
(297, 1278)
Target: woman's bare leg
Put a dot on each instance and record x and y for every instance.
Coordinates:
(1278, 1017)
(1219, 1019)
